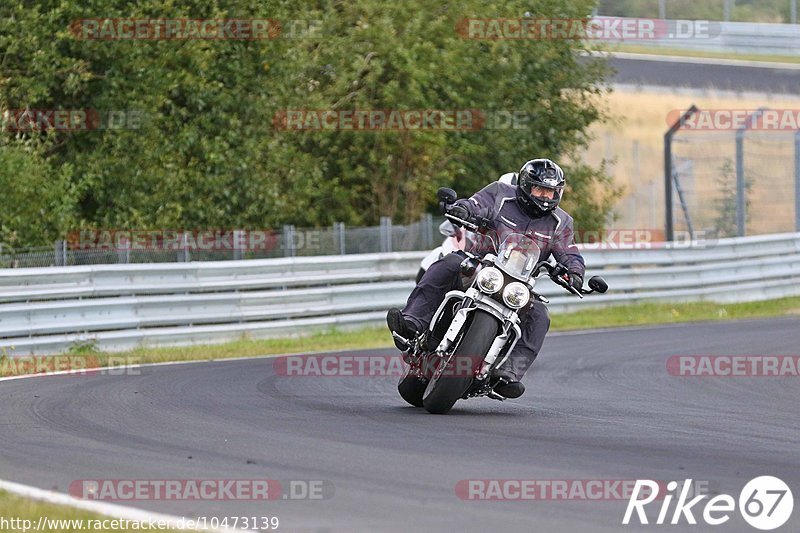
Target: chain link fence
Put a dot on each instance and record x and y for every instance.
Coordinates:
(736, 183)
(119, 247)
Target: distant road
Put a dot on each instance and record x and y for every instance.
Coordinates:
(698, 73)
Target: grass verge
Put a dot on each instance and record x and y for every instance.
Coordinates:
(378, 337)
(23, 514)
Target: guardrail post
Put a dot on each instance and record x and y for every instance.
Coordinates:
(793, 11)
(386, 234)
(288, 241)
(237, 244)
(183, 252)
(338, 237)
(124, 251)
(797, 181)
(61, 253)
(727, 9)
(426, 225)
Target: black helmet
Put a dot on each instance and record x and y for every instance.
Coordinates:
(539, 173)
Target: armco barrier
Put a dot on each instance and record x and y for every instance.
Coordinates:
(745, 38)
(116, 307)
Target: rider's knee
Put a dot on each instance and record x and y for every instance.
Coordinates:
(541, 316)
(453, 262)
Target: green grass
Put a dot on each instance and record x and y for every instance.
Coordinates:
(657, 50)
(16, 507)
(666, 313)
(378, 337)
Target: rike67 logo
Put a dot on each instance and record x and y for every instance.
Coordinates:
(765, 503)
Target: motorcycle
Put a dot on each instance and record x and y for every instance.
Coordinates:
(473, 331)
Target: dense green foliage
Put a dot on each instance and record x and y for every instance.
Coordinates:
(201, 150)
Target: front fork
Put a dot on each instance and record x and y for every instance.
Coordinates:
(471, 301)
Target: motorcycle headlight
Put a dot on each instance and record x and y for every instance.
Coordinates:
(516, 295)
(490, 280)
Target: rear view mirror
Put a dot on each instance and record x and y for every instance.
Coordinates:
(447, 195)
(598, 284)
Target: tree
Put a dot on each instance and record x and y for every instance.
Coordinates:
(205, 151)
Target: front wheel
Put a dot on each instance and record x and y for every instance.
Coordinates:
(455, 374)
(411, 386)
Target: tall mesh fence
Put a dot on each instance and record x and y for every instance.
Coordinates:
(728, 183)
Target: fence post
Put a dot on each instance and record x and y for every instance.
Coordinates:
(740, 186)
(670, 228)
(797, 181)
(288, 240)
(61, 253)
(124, 251)
(741, 183)
(793, 11)
(338, 237)
(237, 244)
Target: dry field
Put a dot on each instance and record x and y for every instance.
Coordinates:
(633, 144)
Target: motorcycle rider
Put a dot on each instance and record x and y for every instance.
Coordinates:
(531, 207)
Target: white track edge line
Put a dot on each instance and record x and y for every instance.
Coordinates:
(106, 509)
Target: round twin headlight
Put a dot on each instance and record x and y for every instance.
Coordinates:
(490, 280)
(516, 295)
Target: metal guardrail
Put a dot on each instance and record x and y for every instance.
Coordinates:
(117, 307)
(751, 38)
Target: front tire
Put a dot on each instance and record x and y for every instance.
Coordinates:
(444, 390)
(411, 386)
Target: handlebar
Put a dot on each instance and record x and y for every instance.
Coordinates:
(467, 224)
(555, 271)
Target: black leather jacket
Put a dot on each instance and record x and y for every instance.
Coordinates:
(554, 231)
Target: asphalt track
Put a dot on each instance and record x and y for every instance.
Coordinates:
(599, 406)
(705, 76)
